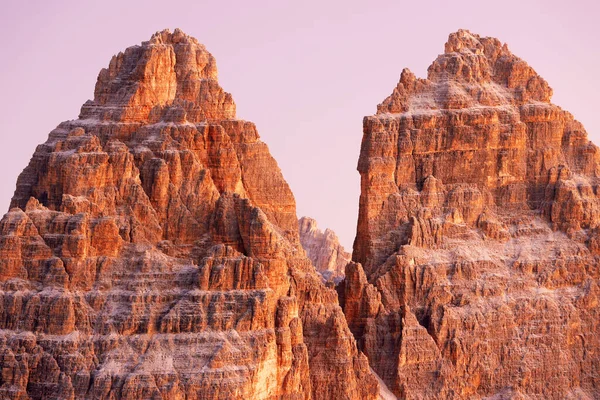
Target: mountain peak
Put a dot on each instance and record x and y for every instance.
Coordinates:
(157, 238)
(464, 40)
(473, 71)
(171, 77)
(479, 211)
(178, 36)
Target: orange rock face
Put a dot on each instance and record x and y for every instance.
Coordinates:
(476, 269)
(323, 249)
(152, 251)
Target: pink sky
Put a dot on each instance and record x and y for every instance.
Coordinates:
(306, 72)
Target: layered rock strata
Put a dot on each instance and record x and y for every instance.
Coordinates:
(323, 249)
(476, 269)
(152, 251)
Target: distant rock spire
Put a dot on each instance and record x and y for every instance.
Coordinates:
(324, 250)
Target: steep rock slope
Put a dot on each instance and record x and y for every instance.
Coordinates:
(476, 257)
(323, 249)
(152, 251)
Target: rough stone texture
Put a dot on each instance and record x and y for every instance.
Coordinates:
(324, 250)
(152, 251)
(476, 269)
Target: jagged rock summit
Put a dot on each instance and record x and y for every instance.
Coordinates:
(171, 77)
(476, 269)
(152, 251)
(473, 71)
(323, 249)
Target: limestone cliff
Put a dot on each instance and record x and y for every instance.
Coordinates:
(152, 251)
(323, 249)
(476, 269)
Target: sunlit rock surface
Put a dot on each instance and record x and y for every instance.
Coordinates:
(476, 257)
(152, 251)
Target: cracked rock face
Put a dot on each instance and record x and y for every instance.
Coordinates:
(152, 251)
(476, 268)
(324, 250)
